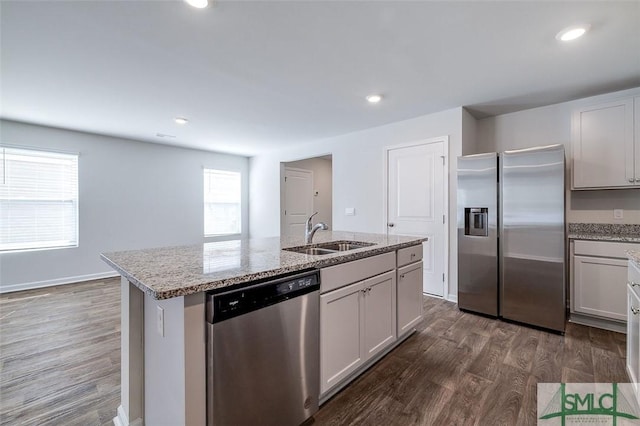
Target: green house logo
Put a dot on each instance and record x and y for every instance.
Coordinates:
(588, 403)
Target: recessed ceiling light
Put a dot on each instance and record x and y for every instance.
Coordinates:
(181, 120)
(374, 99)
(572, 33)
(200, 4)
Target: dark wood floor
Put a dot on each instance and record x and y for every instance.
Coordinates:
(60, 365)
(465, 369)
(60, 355)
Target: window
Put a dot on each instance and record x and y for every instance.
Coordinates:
(222, 191)
(38, 199)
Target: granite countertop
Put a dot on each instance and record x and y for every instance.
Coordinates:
(169, 272)
(604, 232)
(634, 255)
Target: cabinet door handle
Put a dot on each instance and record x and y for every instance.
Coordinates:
(635, 310)
(631, 180)
(402, 277)
(637, 179)
(634, 284)
(413, 255)
(391, 225)
(369, 289)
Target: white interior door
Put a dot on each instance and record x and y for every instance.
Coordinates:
(298, 200)
(416, 188)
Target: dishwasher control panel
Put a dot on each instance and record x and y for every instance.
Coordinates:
(227, 305)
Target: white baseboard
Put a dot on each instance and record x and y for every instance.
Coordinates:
(122, 420)
(611, 325)
(57, 281)
(449, 298)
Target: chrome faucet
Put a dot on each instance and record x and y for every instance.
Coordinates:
(310, 230)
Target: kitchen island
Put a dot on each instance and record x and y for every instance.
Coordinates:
(163, 377)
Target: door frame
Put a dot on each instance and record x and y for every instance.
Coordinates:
(283, 194)
(445, 179)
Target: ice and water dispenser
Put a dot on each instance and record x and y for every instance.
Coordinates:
(476, 221)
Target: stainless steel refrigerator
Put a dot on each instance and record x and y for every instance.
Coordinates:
(511, 235)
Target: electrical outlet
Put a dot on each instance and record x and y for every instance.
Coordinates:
(618, 213)
(350, 211)
(160, 321)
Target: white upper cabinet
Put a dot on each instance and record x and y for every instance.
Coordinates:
(606, 152)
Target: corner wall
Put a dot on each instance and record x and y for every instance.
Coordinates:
(132, 195)
(358, 177)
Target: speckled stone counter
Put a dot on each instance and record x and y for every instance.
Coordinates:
(170, 272)
(604, 232)
(634, 256)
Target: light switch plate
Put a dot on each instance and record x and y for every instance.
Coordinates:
(160, 321)
(618, 213)
(350, 211)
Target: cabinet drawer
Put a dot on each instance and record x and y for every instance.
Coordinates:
(409, 255)
(603, 248)
(340, 275)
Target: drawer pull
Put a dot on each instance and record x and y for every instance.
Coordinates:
(634, 284)
(635, 310)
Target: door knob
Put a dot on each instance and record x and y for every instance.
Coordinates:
(391, 225)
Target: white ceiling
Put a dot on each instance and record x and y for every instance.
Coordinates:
(252, 76)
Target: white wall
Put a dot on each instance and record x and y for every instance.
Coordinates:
(133, 195)
(552, 125)
(322, 177)
(358, 176)
(469, 133)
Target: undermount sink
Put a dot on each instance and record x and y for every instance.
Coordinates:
(343, 245)
(311, 250)
(330, 247)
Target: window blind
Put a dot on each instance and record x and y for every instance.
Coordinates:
(38, 199)
(222, 206)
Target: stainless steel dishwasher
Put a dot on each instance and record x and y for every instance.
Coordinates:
(263, 352)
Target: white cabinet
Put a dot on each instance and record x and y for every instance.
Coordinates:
(379, 313)
(599, 276)
(356, 323)
(633, 327)
(341, 346)
(409, 297)
(600, 287)
(606, 145)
